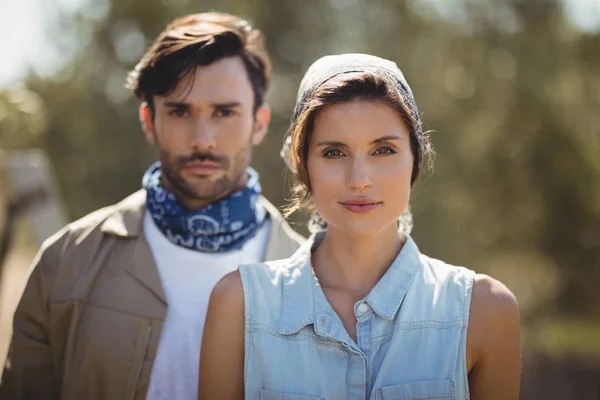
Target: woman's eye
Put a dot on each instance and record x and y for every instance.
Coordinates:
(333, 154)
(385, 151)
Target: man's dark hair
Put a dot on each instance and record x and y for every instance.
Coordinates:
(197, 40)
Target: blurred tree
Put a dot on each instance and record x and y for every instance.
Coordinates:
(21, 118)
(509, 87)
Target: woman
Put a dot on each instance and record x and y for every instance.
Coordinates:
(358, 312)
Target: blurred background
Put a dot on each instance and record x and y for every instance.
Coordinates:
(509, 88)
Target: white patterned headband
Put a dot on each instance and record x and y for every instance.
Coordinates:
(328, 67)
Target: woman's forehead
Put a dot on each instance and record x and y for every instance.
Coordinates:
(358, 121)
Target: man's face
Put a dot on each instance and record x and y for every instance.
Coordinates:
(205, 130)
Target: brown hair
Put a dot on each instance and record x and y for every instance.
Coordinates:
(195, 40)
(343, 88)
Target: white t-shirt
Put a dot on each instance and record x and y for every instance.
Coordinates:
(188, 278)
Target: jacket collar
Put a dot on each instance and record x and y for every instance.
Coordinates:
(126, 221)
(283, 240)
(304, 302)
(127, 218)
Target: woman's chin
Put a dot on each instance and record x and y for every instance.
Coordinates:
(359, 229)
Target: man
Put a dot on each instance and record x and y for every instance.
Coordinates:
(115, 306)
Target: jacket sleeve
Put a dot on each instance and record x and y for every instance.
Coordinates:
(28, 373)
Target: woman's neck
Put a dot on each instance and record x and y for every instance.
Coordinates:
(348, 262)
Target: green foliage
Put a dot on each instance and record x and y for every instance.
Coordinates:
(509, 88)
(561, 337)
(21, 118)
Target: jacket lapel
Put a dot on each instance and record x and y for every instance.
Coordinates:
(283, 240)
(126, 222)
(143, 268)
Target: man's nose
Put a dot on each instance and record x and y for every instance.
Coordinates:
(202, 136)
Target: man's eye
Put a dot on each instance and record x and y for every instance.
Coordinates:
(384, 151)
(178, 112)
(224, 112)
(333, 153)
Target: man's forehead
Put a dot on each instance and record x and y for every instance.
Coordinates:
(224, 81)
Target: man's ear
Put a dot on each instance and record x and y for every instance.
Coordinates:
(147, 122)
(262, 119)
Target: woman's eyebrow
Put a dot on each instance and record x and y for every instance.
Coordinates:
(375, 141)
(386, 139)
(330, 143)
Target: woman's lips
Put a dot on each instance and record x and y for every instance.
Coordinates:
(360, 207)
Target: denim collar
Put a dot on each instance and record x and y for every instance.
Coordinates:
(304, 302)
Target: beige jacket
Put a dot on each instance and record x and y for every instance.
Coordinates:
(90, 319)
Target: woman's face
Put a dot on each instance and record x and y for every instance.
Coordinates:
(360, 166)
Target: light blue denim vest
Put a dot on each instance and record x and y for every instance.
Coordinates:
(410, 336)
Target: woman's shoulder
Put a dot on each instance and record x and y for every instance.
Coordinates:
(486, 292)
(227, 298)
(438, 272)
(253, 286)
(493, 332)
(265, 286)
(440, 291)
(492, 296)
(270, 273)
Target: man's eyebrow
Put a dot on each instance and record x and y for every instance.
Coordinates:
(176, 104)
(227, 105)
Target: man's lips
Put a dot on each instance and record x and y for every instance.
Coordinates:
(202, 167)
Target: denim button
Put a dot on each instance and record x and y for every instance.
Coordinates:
(363, 308)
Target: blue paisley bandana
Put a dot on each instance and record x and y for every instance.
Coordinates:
(219, 227)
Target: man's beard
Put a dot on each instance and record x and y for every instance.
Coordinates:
(205, 190)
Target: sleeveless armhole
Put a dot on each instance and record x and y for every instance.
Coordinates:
(469, 279)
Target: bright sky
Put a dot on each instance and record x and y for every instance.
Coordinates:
(20, 35)
(23, 41)
(23, 44)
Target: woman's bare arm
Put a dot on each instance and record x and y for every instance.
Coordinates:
(222, 354)
(493, 342)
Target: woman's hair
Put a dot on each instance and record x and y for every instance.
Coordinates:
(343, 88)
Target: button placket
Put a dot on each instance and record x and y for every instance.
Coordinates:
(363, 308)
(363, 340)
(363, 329)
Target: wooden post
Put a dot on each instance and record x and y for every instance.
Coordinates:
(31, 179)
(27, 190)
